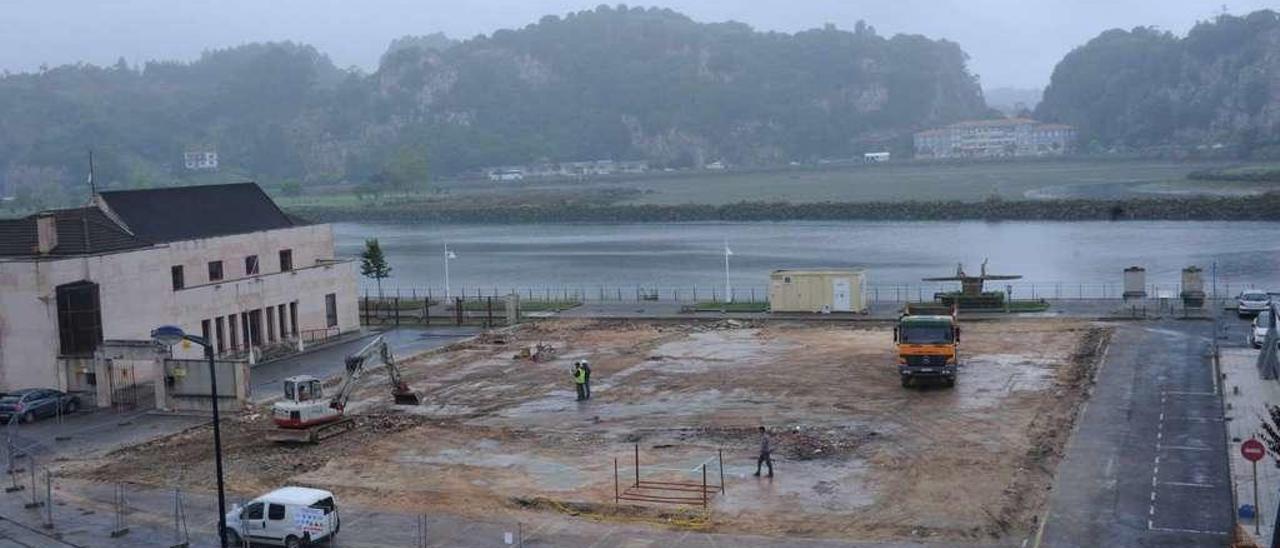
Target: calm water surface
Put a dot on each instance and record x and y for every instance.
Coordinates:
(685, 255)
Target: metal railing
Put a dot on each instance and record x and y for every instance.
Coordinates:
(875, 293)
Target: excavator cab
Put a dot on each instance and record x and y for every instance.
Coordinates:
(303, 388)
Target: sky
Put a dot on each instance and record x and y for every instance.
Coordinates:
(1011, 43)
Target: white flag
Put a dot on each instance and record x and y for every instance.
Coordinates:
(727, 251)
(451, 255)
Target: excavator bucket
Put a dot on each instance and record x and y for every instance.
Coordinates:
(408, 398)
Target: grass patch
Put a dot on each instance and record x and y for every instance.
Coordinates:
(525, 305)
(1028, 306)
(713, 306)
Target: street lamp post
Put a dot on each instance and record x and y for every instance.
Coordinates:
(169, 335)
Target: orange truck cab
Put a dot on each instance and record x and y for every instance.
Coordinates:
(928, 348)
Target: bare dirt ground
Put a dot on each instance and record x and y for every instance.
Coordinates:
(856, 456)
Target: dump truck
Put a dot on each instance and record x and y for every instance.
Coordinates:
(928, 343)
(306, 415)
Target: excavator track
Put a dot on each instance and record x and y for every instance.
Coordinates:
(314, 434)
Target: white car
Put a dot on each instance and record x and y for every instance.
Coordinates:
(1259, 332)
(289, 516)
(1251, 302)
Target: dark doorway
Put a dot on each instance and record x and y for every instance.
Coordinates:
(79, 319)
(255, 327)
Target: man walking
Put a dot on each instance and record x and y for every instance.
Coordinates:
(586, 376)
(580, 380)
(765, 450)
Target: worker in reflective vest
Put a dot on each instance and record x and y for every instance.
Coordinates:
(580, 380)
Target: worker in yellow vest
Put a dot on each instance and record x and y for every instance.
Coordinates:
(580, 380)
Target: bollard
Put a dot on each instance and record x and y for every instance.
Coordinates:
(35, 503)
(48, 500)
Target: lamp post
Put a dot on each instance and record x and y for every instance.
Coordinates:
(167, 336)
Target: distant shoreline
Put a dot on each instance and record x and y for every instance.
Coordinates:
(1236, 208)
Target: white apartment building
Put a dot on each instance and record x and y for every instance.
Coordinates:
(222, 261)
(199, 160)
(1009, 137)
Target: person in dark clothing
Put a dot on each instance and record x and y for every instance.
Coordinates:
(580, 380)
(586, 375)
(765, 450)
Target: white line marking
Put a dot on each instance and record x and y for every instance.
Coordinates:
(1177, 393)
(1195, 419)
(1153, 496)
(1173, 530)
(1151, 511)
(1183, 448)
(1188, 484)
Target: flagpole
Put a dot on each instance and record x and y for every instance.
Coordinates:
(728, 291)
(446, 272)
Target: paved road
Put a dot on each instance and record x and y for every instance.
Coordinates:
(404, 341)
(1147, 464)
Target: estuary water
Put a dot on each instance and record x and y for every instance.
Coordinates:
(1070, 258)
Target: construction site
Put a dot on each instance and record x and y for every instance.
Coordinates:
(499, 432)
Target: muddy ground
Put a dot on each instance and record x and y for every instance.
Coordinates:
(857, 456)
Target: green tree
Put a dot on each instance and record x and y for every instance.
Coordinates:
(373, 264)
(291, 188)
(408, 170)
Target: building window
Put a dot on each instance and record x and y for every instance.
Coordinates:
(251, 265)
(286, 260)
(176, 273)
(293, 318)
(331, 310)
(271, 324)
(231, 329)
(79, 318)
(284, 321)
(215, 271)
(205, 331)
(220, 324)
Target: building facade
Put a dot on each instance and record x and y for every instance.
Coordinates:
(200, 160)
(1009, 137)
(221, 261)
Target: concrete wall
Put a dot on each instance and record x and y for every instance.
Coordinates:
(812, 291)
(137, 294)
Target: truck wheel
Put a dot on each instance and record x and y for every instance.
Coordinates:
(950, 383)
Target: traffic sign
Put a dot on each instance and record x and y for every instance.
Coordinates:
(1253, 450)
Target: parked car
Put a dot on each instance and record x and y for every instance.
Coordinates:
(1259, 332)
(29, 404)
(289, 516)
(1251, 302)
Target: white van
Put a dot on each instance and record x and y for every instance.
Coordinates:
(289, 516)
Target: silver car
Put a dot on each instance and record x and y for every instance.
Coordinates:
(1251, 302)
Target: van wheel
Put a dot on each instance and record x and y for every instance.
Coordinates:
(292, 542)
(233, 538)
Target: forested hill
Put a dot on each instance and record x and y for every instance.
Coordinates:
(611, 83)
(1219, 85)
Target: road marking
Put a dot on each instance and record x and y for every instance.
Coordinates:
(1182, 393)
(1175, 530)
(1189, 484)
(1182, 448)
(1189, 418)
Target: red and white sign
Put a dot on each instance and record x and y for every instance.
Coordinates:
(1253, 450)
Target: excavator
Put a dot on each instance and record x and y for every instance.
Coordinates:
(305, 415)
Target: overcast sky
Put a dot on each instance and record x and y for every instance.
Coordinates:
(1010, 42)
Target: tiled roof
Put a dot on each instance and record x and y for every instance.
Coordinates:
(151, 216)
(193, 212)
(81, 231)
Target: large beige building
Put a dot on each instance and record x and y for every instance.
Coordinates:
(220, 260)
(1007, 137)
